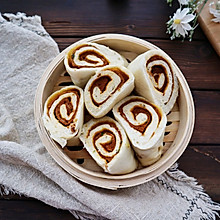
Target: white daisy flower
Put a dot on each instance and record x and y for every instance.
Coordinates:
(183, 2)
(181, 21)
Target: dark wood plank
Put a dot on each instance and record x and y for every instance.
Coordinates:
(84, 18)
(198, 61)
(203, 163)
(207, 124)
(30, 209)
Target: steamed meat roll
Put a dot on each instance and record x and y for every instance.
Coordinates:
(144, 124)
(107, 143)
(63, 115)
(155, 78)
(83, 60)
(107, 87)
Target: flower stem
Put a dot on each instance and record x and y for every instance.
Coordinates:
(194, 25)
(204, 2)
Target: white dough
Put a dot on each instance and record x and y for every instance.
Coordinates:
(98, 133)
(153, 70)
(98, 102)
(89, 57)
(144, 124)
(60, 132)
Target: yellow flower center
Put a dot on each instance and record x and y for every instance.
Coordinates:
(177, 21)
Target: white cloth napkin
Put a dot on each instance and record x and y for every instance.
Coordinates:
(26, 168)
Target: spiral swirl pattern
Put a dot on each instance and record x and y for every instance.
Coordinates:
(155, 72)
(106, 138)
(63, 116)
(161, 76)
(140, 115)
(144, 124)
(86, 56)
(83, 60)
(108, 86)
(106, 142)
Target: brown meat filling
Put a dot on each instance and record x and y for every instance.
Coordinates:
(102, 81)
(109, 146)
(69, 107)
(157, 70)
(84, 56)
(137, 110)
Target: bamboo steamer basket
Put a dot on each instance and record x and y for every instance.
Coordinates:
(77, 162)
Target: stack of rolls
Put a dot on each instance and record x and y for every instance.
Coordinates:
(104, 82)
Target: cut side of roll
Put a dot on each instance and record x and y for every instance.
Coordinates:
(83, 60)
(107, 87)
(155, 78)
(107, 143)
(63, 115)
(144, 124)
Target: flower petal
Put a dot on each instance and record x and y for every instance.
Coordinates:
(177, 14)
(179, 30)
(174, 26)
(217, 20)
(183, 13)
(188, 18)
(186, 27)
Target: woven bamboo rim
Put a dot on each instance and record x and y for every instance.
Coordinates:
(178, 131)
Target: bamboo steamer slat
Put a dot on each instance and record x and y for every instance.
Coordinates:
(79, 163)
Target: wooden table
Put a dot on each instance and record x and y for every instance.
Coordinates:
(68, 21)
